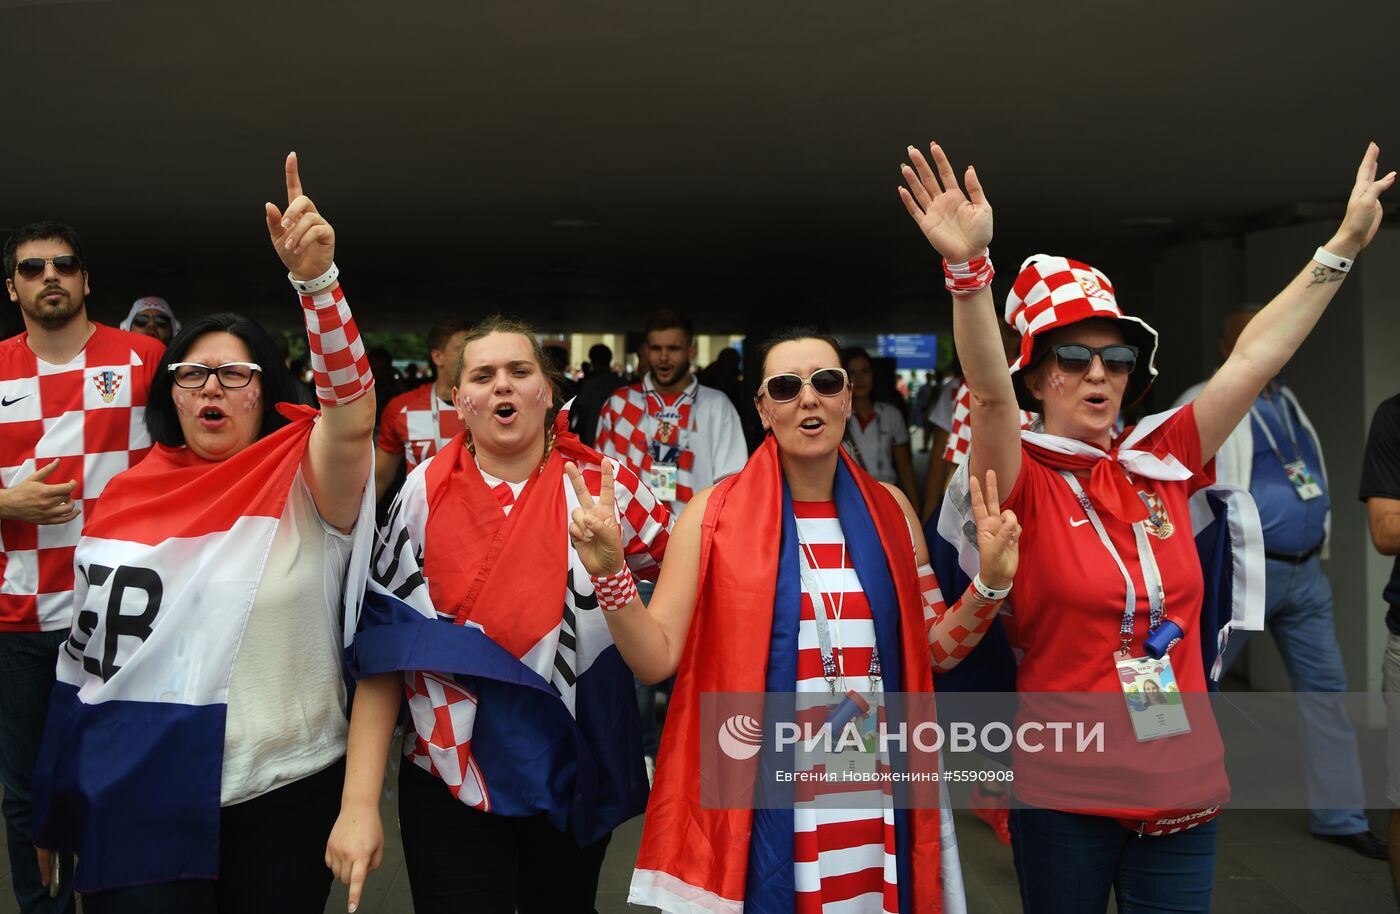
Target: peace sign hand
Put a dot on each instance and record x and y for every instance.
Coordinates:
(958, 229)
(593, 527)
(1363, 216)
(303, 239)
(998, 534)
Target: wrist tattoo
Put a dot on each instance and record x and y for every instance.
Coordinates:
(1321, 276)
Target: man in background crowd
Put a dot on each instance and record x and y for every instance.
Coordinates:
(415, 424)
(152, 316)
(593, 391)
(72, 408)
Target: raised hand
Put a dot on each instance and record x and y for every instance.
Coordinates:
(302, 237)
(959, 228)
(998, 534)
(594, 529)
(1364, 209)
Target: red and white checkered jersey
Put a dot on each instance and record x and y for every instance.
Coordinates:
(960, 438)
(91, 415)
(844, 858)
(417, 424)
(711, 440)
(443, 710)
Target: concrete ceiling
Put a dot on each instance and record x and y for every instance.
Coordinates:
(594, 159)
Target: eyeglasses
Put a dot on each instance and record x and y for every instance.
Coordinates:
(1076, 358)
(781, 388)
(141, 320)
(33, 267)
(232, 375)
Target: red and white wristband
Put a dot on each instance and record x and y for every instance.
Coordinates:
(616, 590)
(339, 364)
(970, 277)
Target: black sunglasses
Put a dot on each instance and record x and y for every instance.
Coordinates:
(784, 387)
(33, 267)
(141, 320)
(1076, 358)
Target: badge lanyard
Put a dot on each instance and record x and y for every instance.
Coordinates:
(831, 671)
(1152, 575)
(1282, 408)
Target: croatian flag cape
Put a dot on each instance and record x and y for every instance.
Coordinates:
(1224, 522)
(519, 700)
(129, 770)
(743, 638)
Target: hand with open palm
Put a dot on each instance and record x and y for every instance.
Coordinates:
(959, 227)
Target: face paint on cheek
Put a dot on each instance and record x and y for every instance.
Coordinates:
(471, 407)
(1057, 381)
(542, 398)
(247, 400)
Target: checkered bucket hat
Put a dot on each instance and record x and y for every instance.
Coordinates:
(1054, 292)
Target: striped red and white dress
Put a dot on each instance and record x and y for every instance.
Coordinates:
(844, 858)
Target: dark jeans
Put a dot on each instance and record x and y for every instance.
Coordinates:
(462, 859)
(272, 858)
(27, 663)
(1067, 863)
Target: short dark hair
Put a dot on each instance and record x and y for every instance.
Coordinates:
(666, 319)
(41, 231)
(444, 330)
(601, 355)
(161, 419)
(792, 335)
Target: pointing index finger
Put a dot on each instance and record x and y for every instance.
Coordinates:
(293, 177)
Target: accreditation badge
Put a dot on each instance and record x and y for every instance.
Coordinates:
(1304, 483)
(1154, 700)
(661, 479)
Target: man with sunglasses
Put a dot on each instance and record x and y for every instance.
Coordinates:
(152, 316)
(72, 399)
(1275, 454)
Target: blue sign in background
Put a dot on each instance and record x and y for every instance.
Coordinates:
(910, 350)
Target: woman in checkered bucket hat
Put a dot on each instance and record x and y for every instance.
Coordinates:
(1103, 556)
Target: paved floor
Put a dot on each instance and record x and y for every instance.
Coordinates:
(1268, 863)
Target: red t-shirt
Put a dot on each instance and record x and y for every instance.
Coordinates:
(91, 415)
(409, 425)
(1067, 609)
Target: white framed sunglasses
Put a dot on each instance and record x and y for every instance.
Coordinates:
(827, 382)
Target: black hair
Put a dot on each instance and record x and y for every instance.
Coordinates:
(792, 335)
(600, 354)
(42, 231)
(666, 319)
(851, 353)
(163, 422)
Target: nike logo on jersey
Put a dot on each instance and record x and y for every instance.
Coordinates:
(4, 402)
(1078, 523)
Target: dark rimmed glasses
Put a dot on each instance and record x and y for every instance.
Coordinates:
(33, 267)
(781, 388)
(1075, 358)
(231, 375)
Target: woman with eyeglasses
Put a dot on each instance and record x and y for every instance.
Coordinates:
(802, 575)
(1111, 580)
(194, 752)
